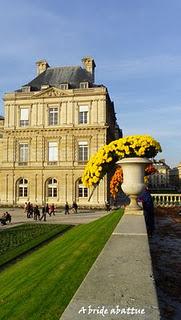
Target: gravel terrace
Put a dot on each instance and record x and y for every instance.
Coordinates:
(165, 247)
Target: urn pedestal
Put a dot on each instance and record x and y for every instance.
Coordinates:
(133, 181)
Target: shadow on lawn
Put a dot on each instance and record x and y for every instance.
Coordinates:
(34, 248)
(165, 250)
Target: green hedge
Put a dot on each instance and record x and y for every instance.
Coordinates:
(18, 240)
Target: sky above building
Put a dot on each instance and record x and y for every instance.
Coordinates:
(136, 46)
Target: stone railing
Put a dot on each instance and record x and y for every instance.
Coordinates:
(166, 199)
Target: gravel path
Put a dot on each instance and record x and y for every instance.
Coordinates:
(83, 216)
(165, 249)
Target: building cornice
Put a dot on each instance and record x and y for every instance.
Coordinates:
(10, 131)
(55, 93)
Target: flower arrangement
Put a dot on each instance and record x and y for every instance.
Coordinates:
(117, 178)
(150, 169)
(116, 182)
(106, 157)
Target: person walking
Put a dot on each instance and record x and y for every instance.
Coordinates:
(47, 209)
(148, 210)
(66, 208)
(25, 208)
(8, 217)
(36, 213)
(31, 210)
(43, 211)
(52, 209)
(74, 207)
(107, 205)
(28, 208)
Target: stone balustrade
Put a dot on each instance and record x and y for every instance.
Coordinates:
(166, 199)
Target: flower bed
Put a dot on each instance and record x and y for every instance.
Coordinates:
(20, 239)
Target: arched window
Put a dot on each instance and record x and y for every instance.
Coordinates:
(82, 190)
(23, 187)
(52, 187)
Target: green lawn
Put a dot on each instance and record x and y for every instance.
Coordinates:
(20, 239)
(40, 286)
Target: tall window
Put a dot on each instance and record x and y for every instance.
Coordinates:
(52, 151)
(24, 117)
(83, 151)
(23, 152)
(82, 190)
(83, 114)
(52, 188)
(23, 188)
(53, 116)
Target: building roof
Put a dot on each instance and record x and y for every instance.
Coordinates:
(54, 77)
(160, 164)
(1, 118)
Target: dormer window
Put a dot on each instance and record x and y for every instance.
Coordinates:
(84, 85)
(64, 86)
(26, 89)
(44, 86)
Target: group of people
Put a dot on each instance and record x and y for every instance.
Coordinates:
(33, 211)
(6, 217)
(73, 209)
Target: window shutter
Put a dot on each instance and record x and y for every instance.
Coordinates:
(83, 143)
(83, 108)
(53, 151)
(24, 114)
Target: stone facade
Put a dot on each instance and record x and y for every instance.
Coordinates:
(1, 127)
(52, 126)
(175, 177)
(161, 179)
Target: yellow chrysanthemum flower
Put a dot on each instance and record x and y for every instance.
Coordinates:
(138, 145)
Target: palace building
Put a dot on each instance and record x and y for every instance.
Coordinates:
(52, 125)
(161, 179)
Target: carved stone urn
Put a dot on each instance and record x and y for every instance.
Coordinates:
(133, 181)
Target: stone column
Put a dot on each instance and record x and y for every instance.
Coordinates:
(69, 108)
(39, 187)
(94, 112)
(102, 110)
(40, 111)
(10, 151)
(9, 188)
(64, 112)
(39, 153)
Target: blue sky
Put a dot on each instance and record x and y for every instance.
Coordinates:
(136, 45)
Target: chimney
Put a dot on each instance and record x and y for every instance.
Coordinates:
(42, 65)
(89, 65)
